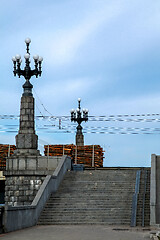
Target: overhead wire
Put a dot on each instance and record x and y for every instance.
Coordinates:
(70, 128)
(90, 118)
(88, 129)
(48, 119)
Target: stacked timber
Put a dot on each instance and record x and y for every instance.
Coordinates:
(5, 151)
(89, 155)
(58, 150)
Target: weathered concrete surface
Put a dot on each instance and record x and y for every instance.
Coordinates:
(81, 232)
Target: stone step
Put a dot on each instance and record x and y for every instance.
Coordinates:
(63, 209)
(82, 209)
(95, 185)
(101, 178)
(100, 189)
(96, 176)
(85, 204)
(97, 181)
(85, 219)
(73, 204)
(88, 203)
(54, 208)
(93, 222)
(82, 216)
(92, 197)
(94, 193)
(93, 200)
(75, 216)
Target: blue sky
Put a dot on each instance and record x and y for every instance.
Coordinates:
(105, 52)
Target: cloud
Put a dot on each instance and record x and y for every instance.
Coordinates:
(60, 96)
(126, 105)
(10, 102)
(117, 28)
(63, 46)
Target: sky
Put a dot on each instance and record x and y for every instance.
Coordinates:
(105, 52)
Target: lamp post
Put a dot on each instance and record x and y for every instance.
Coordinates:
(26, 139)
(27, 72)
(79, 116)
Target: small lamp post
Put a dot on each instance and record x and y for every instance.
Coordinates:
(27, 72)
(79, 116)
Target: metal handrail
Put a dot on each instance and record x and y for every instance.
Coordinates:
(144, 196)
(135, 199)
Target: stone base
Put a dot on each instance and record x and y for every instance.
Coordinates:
(21, 190)
(26, 152)
(31, 163)
(24, 176)
(26, 141)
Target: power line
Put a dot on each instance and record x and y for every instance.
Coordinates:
(42, 103)
(50, 126)
(95, 130)
(91, 118)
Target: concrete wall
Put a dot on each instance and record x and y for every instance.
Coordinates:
(26, 216)
(155, 190)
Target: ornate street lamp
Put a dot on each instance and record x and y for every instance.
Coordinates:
(79, 116)
(27, 72)
(26, 139)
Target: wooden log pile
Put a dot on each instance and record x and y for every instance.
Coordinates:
(89, 155)
(5, 151)
(58, 150)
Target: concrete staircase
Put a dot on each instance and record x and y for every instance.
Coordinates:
(92, 197)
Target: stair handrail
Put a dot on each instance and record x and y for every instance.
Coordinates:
(135, 199)
(144, 196)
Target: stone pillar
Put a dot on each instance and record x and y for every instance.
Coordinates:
(79, 136)
(79, 140)
(26, 169)
(23, 176)
(26, 139)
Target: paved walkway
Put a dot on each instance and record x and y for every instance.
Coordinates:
(78, 232)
